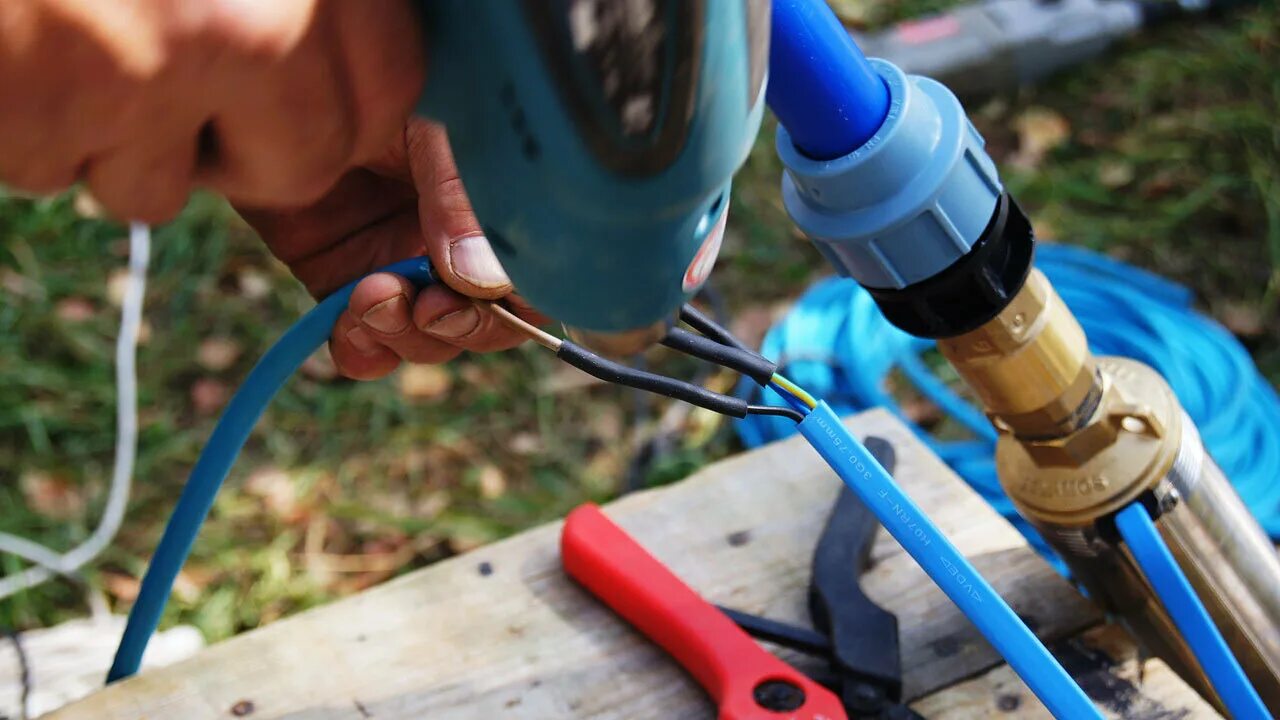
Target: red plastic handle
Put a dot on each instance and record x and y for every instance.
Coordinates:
(721, 657)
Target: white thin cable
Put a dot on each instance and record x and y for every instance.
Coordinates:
(49, 563)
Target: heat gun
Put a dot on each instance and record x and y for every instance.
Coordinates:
(597, 140)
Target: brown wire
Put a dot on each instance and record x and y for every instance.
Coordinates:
(534, 333)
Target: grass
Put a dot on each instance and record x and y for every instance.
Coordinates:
(1168, 155)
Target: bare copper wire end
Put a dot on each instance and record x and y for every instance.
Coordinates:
(534, 333)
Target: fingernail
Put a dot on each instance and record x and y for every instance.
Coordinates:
(389, 317)
(456, 324)
(362, 341)
(473, 260)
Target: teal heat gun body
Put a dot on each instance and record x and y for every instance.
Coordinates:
(596, 141)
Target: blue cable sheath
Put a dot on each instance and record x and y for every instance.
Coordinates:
(948, 568)
(821, 86)
(228, 438)
(836, 344)
(1193, 621)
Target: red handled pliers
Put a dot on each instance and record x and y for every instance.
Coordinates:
(746, 682)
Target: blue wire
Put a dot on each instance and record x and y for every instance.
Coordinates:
(228, 438)
(836, 344)
(948, 568)
(1192, 620)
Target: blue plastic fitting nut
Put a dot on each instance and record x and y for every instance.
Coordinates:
(907, 204)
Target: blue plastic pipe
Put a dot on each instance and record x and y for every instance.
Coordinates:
(1189, 615)
(228, 438)
(924, 542)
(821, 86)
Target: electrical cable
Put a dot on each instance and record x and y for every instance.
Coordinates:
(695, 319)
(945, 565)
(745, 362)
(786, 412)
(619, 374)
(211, 468)
(836, 343)
(820, 426)
(268, 376)
(1189, 615)
(49, 563)
(780, 382)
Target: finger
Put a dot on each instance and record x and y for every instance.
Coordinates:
(441, 313)
(457, 246)
(383, 305)
(146, 181)
(356, 354)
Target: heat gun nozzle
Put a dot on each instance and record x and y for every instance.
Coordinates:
(621, 343)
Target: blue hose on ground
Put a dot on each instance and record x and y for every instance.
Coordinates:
(1189, 615)
(836, 344)
(228, 438)
(948, 568)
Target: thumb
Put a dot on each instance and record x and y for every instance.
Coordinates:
(462, 256)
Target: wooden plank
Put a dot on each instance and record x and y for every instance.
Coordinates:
(68, 661)
(1108, 666)
(501, 631)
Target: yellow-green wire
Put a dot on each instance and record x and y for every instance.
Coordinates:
(795, 390)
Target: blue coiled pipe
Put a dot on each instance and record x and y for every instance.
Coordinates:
(836, 344)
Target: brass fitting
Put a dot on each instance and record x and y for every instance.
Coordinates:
(1124, 448)
(1030, 365)
(1081, 438)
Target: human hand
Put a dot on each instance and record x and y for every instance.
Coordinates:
(408, 203)
(268, 103)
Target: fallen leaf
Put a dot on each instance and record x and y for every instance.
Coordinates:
(1158, 185)
(751, 323)
(1243, 320)
(117, 284)
(604, 463)
(607, 424)
(430, 506)
(74, 310)
(278, 492)
(52, 496)
(18, 285)
(320, 365)
(475, 375)
(191, 582)
(120, 586)
(424, 382)
(254, 284)
(208, 395)
(492, 482)
(216, 354)
(526, 443)
(1115, 173)
(566, 378)
(86, 205)
(855, 13)
(1040, 130)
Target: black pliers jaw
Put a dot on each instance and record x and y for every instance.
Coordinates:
(858, 638)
